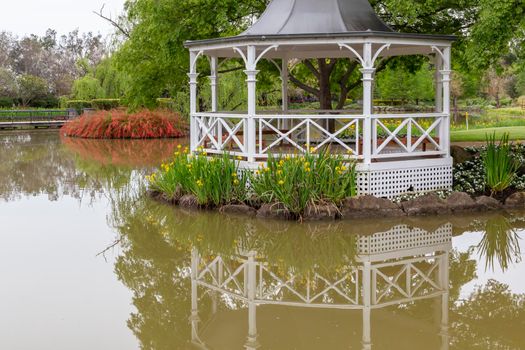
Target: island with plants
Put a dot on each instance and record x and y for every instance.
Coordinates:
(318, 186)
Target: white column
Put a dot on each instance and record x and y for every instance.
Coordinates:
(284, 79)
(251, 286)
(438, 61)
(214, 83)
(368, 79)
(194, 318)
(445, 78)
(250, 129)
(367, 296)
(193, 75)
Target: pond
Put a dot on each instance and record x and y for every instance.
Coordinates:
(87, 262)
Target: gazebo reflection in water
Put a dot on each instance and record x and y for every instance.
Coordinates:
(258, 304)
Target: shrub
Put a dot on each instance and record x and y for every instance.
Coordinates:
(105, 104)
(45, 102)
(521, 101)
(500, 165)
(79, 105)
(298, 181)
(6, 102)
(214, 182)
(117, 124)
(166, 103)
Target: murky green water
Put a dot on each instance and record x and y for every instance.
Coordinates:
(87, 263)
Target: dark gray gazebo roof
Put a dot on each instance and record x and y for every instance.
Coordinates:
(291, 17)
(318, 20)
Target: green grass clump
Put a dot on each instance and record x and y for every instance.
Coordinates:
(500, 165)
(214, 181)
(297, 181)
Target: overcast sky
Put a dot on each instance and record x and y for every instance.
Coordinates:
(35, 16)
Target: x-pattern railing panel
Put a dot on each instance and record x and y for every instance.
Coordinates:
(411, 127)
(272, 287)
(224, 275)
(221, 131)
(404, 280)
(300, 135)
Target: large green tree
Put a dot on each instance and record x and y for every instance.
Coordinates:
(154, 56)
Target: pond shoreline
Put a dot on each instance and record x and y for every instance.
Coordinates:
(366, 206)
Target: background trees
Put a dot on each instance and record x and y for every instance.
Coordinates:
(36, 70)
(152, 53)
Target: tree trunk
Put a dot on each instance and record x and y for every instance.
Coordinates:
(455, 99)
(325, 94)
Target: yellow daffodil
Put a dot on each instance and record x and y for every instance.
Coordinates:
(281, 182)
(179, 146)
(236, 182)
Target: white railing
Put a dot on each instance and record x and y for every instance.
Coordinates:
(218, 133)
(412, 135)
(291, 134)
(378, 137)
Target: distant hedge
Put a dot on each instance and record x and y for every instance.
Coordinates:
(105, 104)
(98, 104)
(79, 105)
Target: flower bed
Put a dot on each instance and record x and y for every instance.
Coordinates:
(471, 177)
(296, 184)
(118, 124)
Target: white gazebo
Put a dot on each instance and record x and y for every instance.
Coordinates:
(396, 153)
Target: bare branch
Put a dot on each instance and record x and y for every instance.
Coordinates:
(114, 23)
(113, 245)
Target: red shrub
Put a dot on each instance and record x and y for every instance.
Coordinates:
(118, 124)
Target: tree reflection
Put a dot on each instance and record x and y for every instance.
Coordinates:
(491, 318)
(42, 163)
(33, 163)
(155, 266)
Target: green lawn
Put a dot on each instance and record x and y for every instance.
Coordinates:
(515, 132)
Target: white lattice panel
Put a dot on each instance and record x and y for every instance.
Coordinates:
(393, 182)
(403, 237)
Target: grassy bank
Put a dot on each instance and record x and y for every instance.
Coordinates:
(477, 135)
